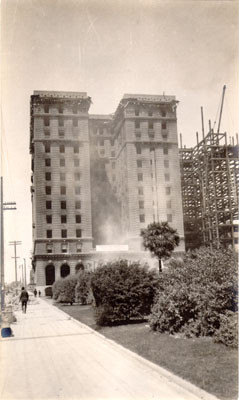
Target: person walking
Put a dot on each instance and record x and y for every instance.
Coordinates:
(35, 292)
(24, 299)
(39, 293)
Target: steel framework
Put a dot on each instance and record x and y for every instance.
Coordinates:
(210, 188)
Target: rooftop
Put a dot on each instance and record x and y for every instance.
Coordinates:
(54, 94)
(150, 97)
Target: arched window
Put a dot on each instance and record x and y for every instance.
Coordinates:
(50, 274)
(79, 267)
(65, 270)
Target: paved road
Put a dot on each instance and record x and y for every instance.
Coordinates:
(52, 356)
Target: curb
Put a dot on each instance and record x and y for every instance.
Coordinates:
(190, 387)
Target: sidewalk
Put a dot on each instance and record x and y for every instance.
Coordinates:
(52, 356)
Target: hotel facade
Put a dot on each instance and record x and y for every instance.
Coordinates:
(99, 179)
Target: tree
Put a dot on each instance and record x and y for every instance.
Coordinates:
(160, 239)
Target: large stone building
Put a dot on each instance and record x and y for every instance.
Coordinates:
(100, 179)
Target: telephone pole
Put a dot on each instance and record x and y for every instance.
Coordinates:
(4, 206)
(15, 244)
(25, 275)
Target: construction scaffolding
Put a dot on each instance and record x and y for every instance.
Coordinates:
(210, 190)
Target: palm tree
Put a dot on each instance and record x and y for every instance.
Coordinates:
(160, 239)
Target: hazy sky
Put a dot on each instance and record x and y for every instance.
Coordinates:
(108, 48)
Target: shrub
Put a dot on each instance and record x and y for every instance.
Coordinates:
(193, 295)
(228, 331)
(123, 292)
(64, 289)
(56, 288)
(83, 292)
(48, 291)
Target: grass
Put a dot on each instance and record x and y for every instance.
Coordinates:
(210, 366)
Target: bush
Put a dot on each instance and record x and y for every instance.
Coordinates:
(123, 292)
(83, 292)
(64, 289)
(48, 291)
(228, 331)
(193, 295)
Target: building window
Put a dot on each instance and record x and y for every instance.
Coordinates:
(47, 148)
(165, 150)
(101, 142)
(78, 219)
(168, 190)
(102, 152)
(78, 204)
(46, 108)
(136, 111)
(61, 133)
(141, 204)
(64, 233)
(48, 176)
(63, 219)
(46, 121)
(169, 217)
(63, 190)
(151, 125)
(140, 177)
(76, 162)
(166, 163)
(166, 177)
(76, 148)
(141, 218)
(49, 248)
(113, 165)
(235, 228)
(64, 247)
(63, 205)
(60, 109)
(47, 162)
(137, 124)
(150, 113)
(78, 248)
(62, 162)
(62, 148)
(75, 122)
(77, 190)
(49, 233)
(164, 125)
(138, 149)
(169, 204)
(163, 113)
(77, 176)
(48, 204)
(78, 233)
(61, 122)
(49, 219)
(236, 241)
(113, 154)
(141, 190)
(101, 131)
(111, 142)
(48, 189)
(138, 134)
(139, 163)
(74, 109)
(62, 176)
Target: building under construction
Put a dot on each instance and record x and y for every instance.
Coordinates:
(210, 190)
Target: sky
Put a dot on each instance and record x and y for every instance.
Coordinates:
(107, 48)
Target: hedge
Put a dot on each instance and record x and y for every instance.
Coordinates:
(123, 292)
(194, 295)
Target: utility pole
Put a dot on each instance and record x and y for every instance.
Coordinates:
(25, 276)
(4, 206)
(15, 244)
